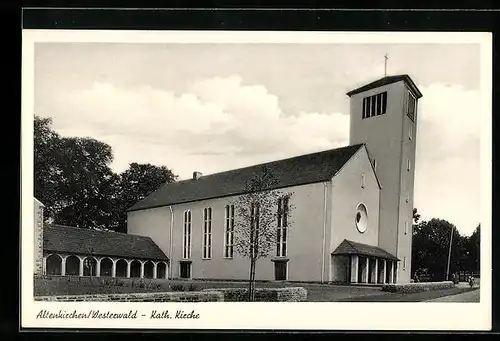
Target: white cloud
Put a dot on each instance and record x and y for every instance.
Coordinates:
(218, 125)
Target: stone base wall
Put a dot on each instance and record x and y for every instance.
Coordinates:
(38, 238)
(194, 296)
(77, 285)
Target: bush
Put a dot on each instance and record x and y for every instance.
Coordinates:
(297, 294)
(192, 287)
(417, 287)
(264, 294)
(177, 287)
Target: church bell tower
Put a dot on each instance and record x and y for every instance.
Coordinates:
(383, 115)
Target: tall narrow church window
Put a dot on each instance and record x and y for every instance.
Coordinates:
(404, 263)
(362, 181)
(254, 230)
(411, 106)
(187, 235)
(364, 107)
(378, 102)
(374, 105)
(407, 196)
(207, 233)
(408, 165)
(410, 133)
(229, 232)
(281, 233)
(384, 103)
(406, 227)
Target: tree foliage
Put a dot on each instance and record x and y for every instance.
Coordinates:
(255, 226)
(430, 249)
(136, 183)
(416, 216)
(74, 180)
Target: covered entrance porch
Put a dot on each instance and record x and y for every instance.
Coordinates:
(357, 263)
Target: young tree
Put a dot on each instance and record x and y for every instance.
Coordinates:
(263, 215)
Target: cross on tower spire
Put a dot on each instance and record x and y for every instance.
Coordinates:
(385, 66)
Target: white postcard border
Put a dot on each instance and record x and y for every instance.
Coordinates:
(220, 315)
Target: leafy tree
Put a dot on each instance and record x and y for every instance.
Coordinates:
(473, 250)
(430, 248)
(136, 183)
(45, 145)
(256, 223)
(416, 216)
(87, 185)
(73, 178)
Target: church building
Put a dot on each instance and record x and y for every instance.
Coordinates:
(353, 206)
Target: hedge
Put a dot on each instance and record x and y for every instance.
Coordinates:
(417, 287)
(289, 294)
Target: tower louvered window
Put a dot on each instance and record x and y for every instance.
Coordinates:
(375, 105)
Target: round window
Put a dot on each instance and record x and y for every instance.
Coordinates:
(361, 218)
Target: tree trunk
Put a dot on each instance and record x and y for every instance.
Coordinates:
(250, 281)
(252, 298)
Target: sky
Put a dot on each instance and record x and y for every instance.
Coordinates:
(215, 107)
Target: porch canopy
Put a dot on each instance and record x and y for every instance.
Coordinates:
(355, 262)
(348, 247)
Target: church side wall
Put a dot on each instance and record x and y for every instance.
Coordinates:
(307, 229)
(154, 223)
(347, 194)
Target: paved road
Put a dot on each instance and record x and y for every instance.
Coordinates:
(470, 296)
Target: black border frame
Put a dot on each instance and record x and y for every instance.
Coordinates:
(268, 19)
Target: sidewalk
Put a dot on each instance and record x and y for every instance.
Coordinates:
(470, 296)
(412, 297)
(466, 285)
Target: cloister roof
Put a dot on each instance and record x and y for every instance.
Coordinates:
(349, 247)
(59, 238)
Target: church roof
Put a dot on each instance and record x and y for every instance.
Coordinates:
(295, 171)
(349, 247)
(58, 238)
(388, 80)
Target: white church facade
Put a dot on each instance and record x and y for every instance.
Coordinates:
(353, 206)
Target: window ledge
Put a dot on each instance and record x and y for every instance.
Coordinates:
(280, 259)
(185, 261)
